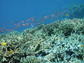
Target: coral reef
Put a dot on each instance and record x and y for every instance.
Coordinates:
(59, 42)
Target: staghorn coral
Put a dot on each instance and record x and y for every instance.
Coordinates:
(51, 43)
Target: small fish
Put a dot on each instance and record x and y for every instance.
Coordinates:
(8, 22)
(12, 29)
(46, 17)
(56, 16)
(11, 21)
(33, 20)
(64, 11)
(31, 25)
(67, 15)
(4, 26)
(61, 4)
(28, 20)
(4, 43)
(41, 19)
(33, 16)
(16, 22)
(23, 24)
(72, 14)
(3, 23)
(35, 59)
(38, 23)
(18, 25)
(82, 45)
(10, 51)
(22, 21)
(1, 29)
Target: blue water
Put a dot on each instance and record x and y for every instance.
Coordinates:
(22, 10)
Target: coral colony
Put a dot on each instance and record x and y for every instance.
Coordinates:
(57, 42)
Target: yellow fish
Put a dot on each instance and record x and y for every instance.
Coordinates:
(3, 43)
(35, 59)
(10, 51)
(67, 15)
(72, 14)
(82, 45)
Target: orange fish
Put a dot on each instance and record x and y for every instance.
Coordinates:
(18, 25)
(46, 17)
(12, 29)
(38, 23)
(26, 24)
(11, 21)
(33, 20)
(33, 16)
(41, 19)
(15, 21)
(4, 27)
(3, 23)
(23, 24)
(14, 24)
(27, 20)
(22, 21)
